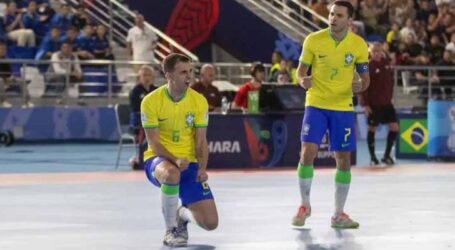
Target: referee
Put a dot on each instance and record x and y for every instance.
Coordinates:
(377, 102)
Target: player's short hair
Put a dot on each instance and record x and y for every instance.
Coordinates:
(346, 4)
(257, 67)
(172, 59)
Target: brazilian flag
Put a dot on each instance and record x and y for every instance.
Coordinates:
(413, 136)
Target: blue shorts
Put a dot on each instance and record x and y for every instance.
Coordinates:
(340, 125)
(191, 190)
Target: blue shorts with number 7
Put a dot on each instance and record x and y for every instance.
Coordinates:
(340, 125)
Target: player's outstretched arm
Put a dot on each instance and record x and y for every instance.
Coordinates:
(153, 139)
(202, 152)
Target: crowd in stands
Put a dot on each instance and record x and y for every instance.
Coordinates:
(32, 29)
(414, 32)
(35, 24)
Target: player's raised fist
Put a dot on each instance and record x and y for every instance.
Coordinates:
(305, 82)
(357, 86)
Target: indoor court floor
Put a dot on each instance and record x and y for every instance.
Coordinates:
(69, 197)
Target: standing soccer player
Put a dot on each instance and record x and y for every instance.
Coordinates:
(332, 53)
(175, 120)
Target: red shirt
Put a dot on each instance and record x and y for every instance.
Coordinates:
(380, 91)
(241, 98)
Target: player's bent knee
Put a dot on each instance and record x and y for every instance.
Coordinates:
(171, 175)
(210, 225)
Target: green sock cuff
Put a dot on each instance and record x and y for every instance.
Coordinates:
(169, 189)
(304, 171)
(342, 176)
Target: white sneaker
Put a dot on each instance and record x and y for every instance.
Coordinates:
(6, 104)
(173, 238)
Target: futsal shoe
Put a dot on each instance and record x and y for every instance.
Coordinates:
(182, 227)
(173, 238)
(387, 160)
(374, 162)
(342, 221)
(302, 214)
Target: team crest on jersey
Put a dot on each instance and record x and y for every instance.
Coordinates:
(348, 58)
(189, 119)
(143, 117)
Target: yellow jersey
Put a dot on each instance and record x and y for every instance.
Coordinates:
(332, 68)
(176, 121)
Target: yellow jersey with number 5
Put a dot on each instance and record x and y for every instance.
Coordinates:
(176, 121)
(332, 68)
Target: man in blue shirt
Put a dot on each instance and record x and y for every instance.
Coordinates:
(15, 28)
(64, 19)
(100, 44)
(84, 41)
(49, 45)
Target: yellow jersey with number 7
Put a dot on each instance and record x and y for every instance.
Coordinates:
(332, 68)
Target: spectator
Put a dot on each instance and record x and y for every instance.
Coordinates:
(49, 45)
(15, 28)
(283, 78)
(413, 49)
(435, 26)
(142, 88)
(80, 18)
(30, 19)
(64, 19)
(451, 46)
(141, 42)
(400, 10)
(369, 14)
(424, 78)
(84, 41)
(320, 7)
(292, 71)
(448, 23)
(424, 11)
(206, 88)
(241, 98)
(71, 37)
(59, 69)
(45, 14)
(446, 78)
(394, 36)
(9, 82)
(100, 43)
(408, 29)
(435, 49)
(276, 59)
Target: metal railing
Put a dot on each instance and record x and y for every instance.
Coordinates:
(425, 82)
(109, 82)
(300, 13)
(120, 19)
(102, 82)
